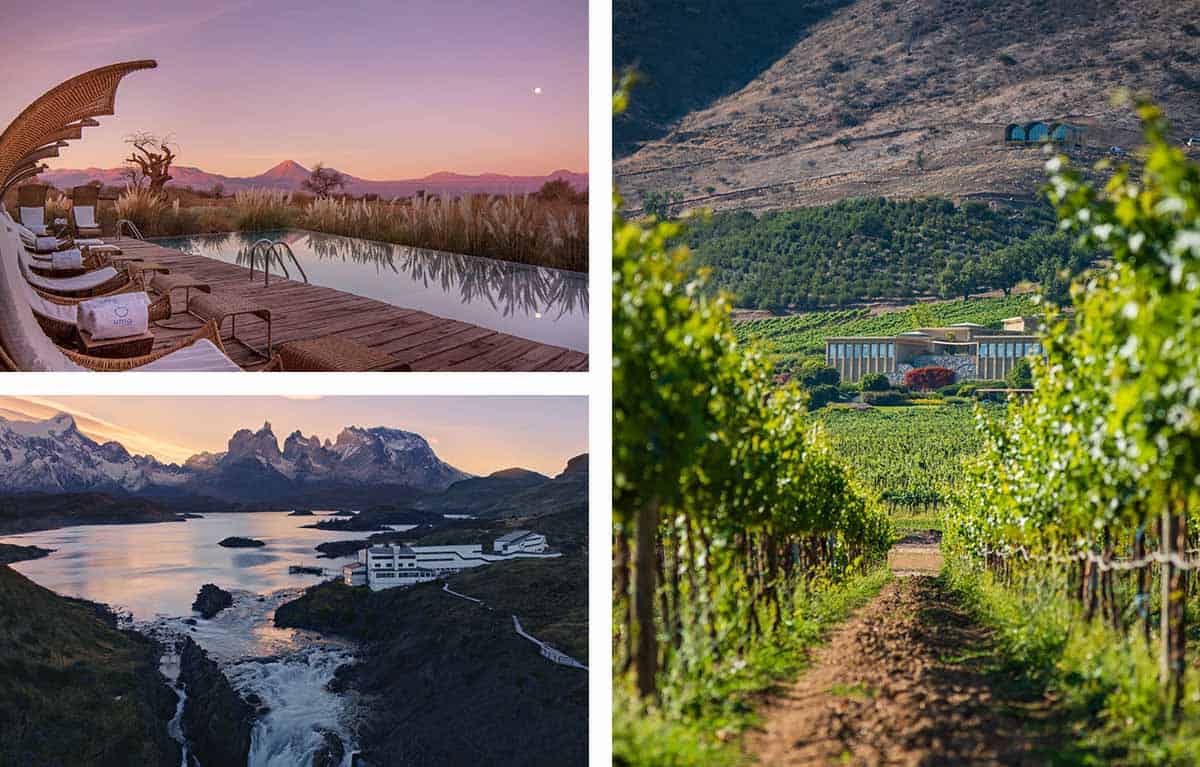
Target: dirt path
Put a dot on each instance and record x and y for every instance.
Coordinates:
(918, 553)
(909, 680)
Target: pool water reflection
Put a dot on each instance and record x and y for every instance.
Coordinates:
(537, 303)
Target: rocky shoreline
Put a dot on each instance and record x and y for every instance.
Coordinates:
(447, 681)
(217, 721)
(11, 554)
(111, 703)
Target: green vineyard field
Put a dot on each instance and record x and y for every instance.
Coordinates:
(803, 335)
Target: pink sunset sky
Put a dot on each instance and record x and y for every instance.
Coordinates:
(378, 89)
(476, 434)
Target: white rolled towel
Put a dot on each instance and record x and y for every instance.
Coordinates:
(66, 259)
(89, 241)
(46, 243)
(127, 314)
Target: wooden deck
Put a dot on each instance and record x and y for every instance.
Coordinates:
(299, 311)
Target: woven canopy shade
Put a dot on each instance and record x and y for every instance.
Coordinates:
(21, 175)
(68, 108)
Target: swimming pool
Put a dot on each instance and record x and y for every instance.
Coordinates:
(537, 303)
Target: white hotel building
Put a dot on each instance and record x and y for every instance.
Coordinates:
(385, 567)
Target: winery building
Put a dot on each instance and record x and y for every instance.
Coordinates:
(973, 352)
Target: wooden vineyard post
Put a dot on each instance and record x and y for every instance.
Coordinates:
(1174, 599)
(644, 567)
(621, 594)
(1143, 583)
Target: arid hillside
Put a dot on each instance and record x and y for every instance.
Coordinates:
(898, 98)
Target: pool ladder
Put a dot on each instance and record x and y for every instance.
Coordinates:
(271, 251)
(133, 229)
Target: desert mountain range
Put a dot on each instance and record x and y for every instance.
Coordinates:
(290, 175)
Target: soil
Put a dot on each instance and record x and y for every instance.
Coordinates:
(917, 553)
(910, 680)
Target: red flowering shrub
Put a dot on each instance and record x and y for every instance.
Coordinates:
(924, 379)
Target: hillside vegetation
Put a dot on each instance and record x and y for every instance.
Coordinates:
(863, 249)
(451, 680)
(73, 689)
(749, 37)
(901, 98)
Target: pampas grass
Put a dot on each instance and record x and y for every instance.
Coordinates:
(144, 207)
(57, 206)
(512, 228)
(521, 228)
(260, 209)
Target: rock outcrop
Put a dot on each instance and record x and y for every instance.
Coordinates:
(211, 600)
(216, 720)
(237, 542)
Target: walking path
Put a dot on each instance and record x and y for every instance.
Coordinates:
(909, 680)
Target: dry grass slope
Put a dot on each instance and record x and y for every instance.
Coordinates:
(905, 98)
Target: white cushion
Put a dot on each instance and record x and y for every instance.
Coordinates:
(65, 284)
(62, 312)
(85, 216)
(31, 240)
(34, 219)
(22, 337)
(200, 357)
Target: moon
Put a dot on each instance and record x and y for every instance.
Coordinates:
(537, 91)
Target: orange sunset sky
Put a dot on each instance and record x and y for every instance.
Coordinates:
(476, 434)
(377, 89)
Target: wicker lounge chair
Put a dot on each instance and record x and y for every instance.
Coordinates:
(83, 211)
(45, 266)
(100, 282)
(31, 206)
(25, 346)
(31, 240)
(58, 316)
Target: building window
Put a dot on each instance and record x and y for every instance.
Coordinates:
(891, 350)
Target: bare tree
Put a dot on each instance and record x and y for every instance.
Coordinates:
(150, 160)
(324, 181)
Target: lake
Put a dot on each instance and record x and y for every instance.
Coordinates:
(541, 304)
(152, 572)
(156, 569)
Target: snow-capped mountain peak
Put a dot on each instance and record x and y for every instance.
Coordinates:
(54, 456)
